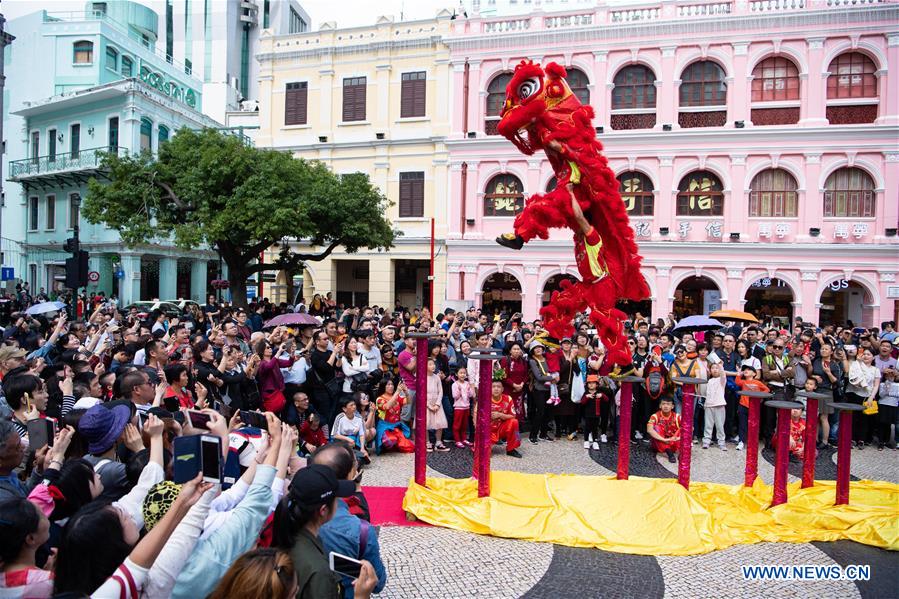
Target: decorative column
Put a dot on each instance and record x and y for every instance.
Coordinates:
(475, 103)
(457, 124)
(815, 94)
(599, 96)
(738, 91)
(664, 199)
(471, 279)
(129, 285)
(382, 77)
(199, 273)
(664, 297)
(810, 199)
(530, 296)
(888, 211)
(889, 103)
(453, 282)
(667, 100)
(326, 93)
(809, 281)
(455, 226)
(734, 286)
(474, 203)
(168, 278)
(736, 209)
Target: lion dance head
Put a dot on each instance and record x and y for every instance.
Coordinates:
(531, 95)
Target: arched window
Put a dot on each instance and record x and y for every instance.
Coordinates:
(163, 134)
(852, 76)
(83, 52)
(112, 58)
(578, 82)
(702, 84)
(773, 193)
(146, 134)
(636, 191)
(700, 194)
(127, 67)
(775, 79)
(496, 97)
(504, 196)
(849, 192)
(634, 88)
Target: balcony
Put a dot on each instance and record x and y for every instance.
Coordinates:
(69, 168)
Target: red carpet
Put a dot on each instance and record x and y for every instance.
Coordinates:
(386, 505)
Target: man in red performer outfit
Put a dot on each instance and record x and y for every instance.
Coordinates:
(664, 428)
(503, 422)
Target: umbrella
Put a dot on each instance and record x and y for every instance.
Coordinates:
(734, 315)
(44, 307)
(697, 323)
(293, 319)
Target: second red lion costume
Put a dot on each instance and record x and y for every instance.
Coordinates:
(541, 112)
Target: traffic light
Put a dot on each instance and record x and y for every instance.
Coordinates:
(71, 245)
(76, 270)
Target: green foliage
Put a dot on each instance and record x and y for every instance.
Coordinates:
(209, 188)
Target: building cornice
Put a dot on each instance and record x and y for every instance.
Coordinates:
(830, 19)
(289, 51)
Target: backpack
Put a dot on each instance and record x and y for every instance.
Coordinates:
(655, 381)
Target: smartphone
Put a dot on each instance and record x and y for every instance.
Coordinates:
(344, 565)
(253, 418)
(211, 458)
(198, 419)
(41, 431)
(195, 454)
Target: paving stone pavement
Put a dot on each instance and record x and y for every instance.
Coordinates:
(436, 562)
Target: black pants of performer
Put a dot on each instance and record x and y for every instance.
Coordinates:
(541, 415)
(731, 419)
(860, 422)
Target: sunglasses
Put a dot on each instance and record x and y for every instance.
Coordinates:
(778, 347)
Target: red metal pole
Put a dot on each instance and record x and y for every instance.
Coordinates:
(624, 431)
(431, 273)
(686, 438)
(752, 441)
(844, 452)
(782, 459)
(421, 407)
(483, 445)
(811, 441)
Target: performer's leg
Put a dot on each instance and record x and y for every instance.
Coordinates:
(563, 306)
(542, 212)
(509, 431)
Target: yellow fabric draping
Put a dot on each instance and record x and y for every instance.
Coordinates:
(652, 516)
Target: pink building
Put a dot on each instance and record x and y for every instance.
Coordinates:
(755, 142)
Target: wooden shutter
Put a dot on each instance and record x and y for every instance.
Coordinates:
(413, 94)
(354, 99)
(295, 103)
(412, 195)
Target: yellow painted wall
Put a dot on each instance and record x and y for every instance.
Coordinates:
(381, 53)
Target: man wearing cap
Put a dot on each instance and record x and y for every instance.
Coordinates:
(346, 533)
(309, 504)
(102, 428)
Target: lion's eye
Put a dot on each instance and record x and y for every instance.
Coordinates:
(528, 88)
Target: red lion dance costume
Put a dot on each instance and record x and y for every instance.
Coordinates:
(541, 112)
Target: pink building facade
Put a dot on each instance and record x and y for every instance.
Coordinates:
(755, 143)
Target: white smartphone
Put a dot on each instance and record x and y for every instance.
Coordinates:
(344, 565)
(211, 458)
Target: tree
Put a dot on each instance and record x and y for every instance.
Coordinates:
(206, 187)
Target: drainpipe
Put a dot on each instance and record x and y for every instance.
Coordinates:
(465, 99)
(462, 224)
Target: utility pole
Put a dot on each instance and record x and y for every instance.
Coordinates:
(76, 266)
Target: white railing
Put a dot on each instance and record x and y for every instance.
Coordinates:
(507, 25)
(635, 15)
(704, 10)
(557, 22)
(852, 2)
(773, 5)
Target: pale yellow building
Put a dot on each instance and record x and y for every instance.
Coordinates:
(373, 100)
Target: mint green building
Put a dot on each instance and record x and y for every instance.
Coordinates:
(78, 85)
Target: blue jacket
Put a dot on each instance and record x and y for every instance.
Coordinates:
(341, 534)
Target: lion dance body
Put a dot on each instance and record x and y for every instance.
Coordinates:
(541, 112)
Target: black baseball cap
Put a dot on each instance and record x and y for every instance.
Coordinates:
(317, 484)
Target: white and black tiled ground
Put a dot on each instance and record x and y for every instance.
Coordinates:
(436, 562)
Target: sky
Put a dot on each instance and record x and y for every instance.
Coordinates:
(347, 13)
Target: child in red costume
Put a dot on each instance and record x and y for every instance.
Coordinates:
(664, 429)
(503, 422)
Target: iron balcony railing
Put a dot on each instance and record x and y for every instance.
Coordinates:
(50, 164)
